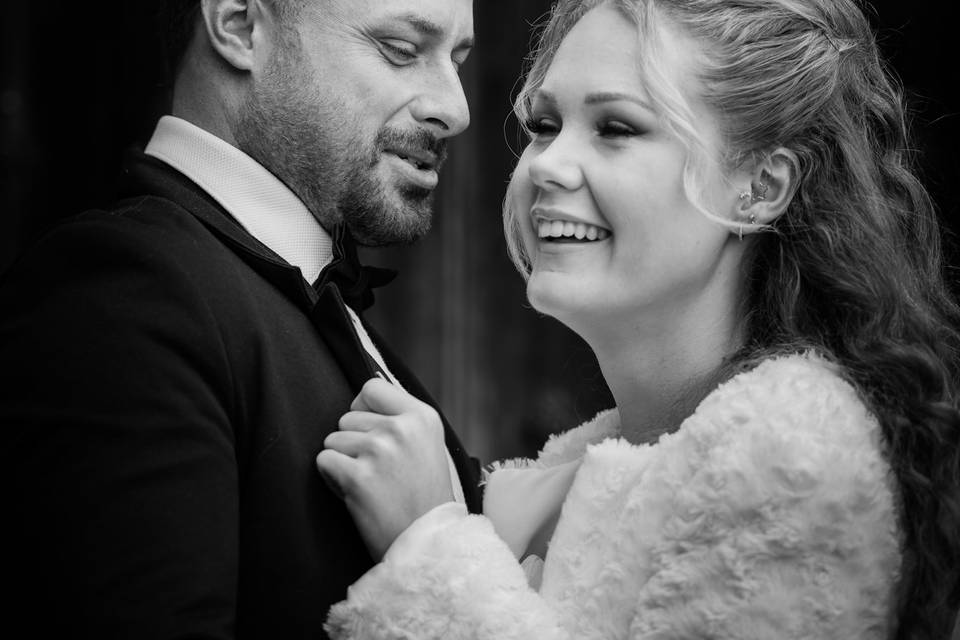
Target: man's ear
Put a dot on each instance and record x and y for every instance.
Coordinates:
(773, 183)
(234, 30)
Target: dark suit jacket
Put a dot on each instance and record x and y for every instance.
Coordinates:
(166, 382)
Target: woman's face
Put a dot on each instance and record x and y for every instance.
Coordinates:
(599, 189)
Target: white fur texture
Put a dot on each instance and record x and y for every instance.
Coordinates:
(769, 514)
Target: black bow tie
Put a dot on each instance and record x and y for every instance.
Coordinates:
(355, 281)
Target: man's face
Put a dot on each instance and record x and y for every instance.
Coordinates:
(354, 106)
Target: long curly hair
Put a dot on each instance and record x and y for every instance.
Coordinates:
(854, 267)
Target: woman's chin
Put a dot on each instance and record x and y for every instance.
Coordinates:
(547, 296)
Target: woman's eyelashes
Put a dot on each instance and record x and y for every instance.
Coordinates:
(607, 128)
(538, 126)
(616, 129)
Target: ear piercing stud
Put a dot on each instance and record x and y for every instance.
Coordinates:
(756, 195)
(761, 194)
(752, 220)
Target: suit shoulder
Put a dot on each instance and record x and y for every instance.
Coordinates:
(142, 219)
(139, 235)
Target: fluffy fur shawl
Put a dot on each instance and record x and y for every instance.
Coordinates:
(770, 513)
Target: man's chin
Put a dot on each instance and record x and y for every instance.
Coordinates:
(382, 212)
(389, 225)
(392, 233)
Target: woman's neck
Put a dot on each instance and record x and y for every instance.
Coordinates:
(660, 373)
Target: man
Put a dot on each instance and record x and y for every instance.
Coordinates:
(172, 365)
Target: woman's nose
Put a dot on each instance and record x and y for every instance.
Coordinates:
(558, 165)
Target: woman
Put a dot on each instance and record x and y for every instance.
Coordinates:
(716, 197)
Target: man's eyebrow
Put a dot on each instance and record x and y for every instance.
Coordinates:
(426, 27)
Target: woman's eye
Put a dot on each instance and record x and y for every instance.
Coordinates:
(616, 129)
(399, 52)
(540, 126)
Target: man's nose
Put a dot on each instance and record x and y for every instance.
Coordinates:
(442, 104)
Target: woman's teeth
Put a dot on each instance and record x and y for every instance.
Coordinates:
(561, 230)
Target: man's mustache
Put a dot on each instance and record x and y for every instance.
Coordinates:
(418, 139)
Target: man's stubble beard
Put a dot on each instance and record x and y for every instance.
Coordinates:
(308, 140)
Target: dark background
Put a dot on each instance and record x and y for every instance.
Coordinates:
(80, 82)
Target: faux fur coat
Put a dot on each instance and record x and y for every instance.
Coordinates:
(770, 513)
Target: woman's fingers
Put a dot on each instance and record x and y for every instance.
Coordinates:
(349, 443)
(361, 421)
(338, 470)
(387, 461)
(380, 396)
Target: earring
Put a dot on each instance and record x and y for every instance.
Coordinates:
(752, 220)
(756, 195)
(761, 193)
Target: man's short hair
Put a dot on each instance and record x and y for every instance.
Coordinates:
(178, 20)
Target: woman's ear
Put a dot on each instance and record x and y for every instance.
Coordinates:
(773, 182)
(233, 30)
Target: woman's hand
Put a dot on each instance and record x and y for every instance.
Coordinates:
(388, 461)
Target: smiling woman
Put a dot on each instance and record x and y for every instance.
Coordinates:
(716, 197)
(599, 155)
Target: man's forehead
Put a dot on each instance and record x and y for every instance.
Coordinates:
(436, 19)
(428, 26)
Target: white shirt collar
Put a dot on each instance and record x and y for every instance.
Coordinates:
(260, 202)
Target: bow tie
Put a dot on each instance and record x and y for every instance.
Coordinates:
(354, 280)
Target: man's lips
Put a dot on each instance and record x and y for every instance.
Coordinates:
(411, 170)
(419, 158)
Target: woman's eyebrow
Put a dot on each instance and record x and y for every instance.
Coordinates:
(616, 96)
(598, 97)
(542, 95)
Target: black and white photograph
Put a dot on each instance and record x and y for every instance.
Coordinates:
(481, 319)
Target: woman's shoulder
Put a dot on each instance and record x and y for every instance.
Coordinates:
(791, 430)
(791, 377)
(781, 470)
(800, 396)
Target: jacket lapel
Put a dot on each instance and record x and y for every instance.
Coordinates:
(325, 308)
(332, 320)
(145, 175)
